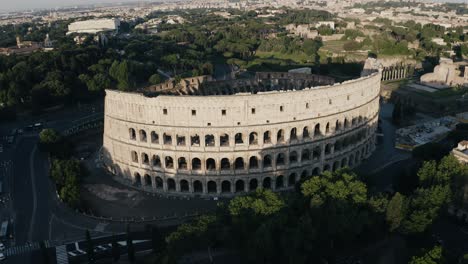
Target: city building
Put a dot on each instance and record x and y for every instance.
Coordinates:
(94, 26)
(461, 151)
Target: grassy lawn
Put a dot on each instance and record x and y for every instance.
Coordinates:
(335, 46)
(449, 92)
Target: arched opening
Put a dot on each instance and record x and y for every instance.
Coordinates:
(225, 164)
(239, 164)
(305, 133)
(293, 157)
(209, 141)
(338, 125)
(293, 134)
(344, 162)
(253, 184)
(346, 123)
(353, 121)
(137, 179)
(351, 160)
(212, 187)
(167, 139)
(267, 183)
(184, 186)
(336, 165)
(132, 133)
(357, 157)
(279, 182)
(327, 128)
(305, 156)
(292, 179)
(196, 164)
(182, 162)
(280, 136)
(169, 162)
(317, 131)
(197, 187)
(338, 145)
(224, 140)
(253, 163)
(326, 167)
(267, 161)
(253, 138)
(159, 182)
(240, 186)
(142, 135)
(238, 139)
(171, 184)
(316, 171)
(148, 181)
(144, 158)
(225, 187)
(156, 161)
(303, 174)
(316, 153)
(328, 149)
(195, 140)
(180, 140)
(154, 138)
(210, 164)
(280, 159)
(267, 137)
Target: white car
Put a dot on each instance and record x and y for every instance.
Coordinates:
(2, 246)
(2, 256)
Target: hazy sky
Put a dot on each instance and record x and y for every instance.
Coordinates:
(8, 5)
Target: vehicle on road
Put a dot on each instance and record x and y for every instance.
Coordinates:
(2, 247)
(37, 126)
(2, 256)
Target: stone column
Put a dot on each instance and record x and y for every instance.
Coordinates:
(190, 185)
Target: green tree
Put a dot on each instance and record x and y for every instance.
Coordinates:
(433, 256)
(48, 139)
(395, 211)
(155, 79)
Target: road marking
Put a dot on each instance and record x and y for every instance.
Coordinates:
(33, 183)
(21, 249)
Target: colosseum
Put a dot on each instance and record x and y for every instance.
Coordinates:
(221, 138)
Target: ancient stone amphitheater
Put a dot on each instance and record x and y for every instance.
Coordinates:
(205, 137)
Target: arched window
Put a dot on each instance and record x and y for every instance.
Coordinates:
(156, 161)
(267, 183)
(184, 186)
(317, 131)
(154, 138)
(240, 186)
(253, 138)
(224, 140)
(293, 134)
(144, 158)
(280, 159)
(326, 167)
(292, 179)
(293, 157)
(336, 165)
(180, 140)
(197, 186)
(344, 162)
(305, 156)
(328, 149)
(212, 187)
(316, 172)
(346, 123)
(304, 174)
(225, 164)
(167, 139)
(267, 161)
(210, 164)
(182, 162)
(137, 179)
(337, 125)
(305, 133)
(159, 183)
(195, 140)
(279, 182)
(239, 164)
(338, 145)
(253, 162)
(196, 164)
(209, 141)
(148, 180)
(171, 186)
(142, 135)
(169, 162)
(280, 136)
(267, 137)
(238, 139)
(353, 121)
(351, 160)
(327, 128)
(253, 184)
(134, 156)
(132, 133)
(225, 187)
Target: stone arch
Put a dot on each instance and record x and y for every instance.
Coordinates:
(253, 138)
(280, 136)
(211, 187)
(182, 163)
(195, 140)
(209, 140)
(337, 125)
(253, 162)
(293, 157)
(224, 140)
(148, 181)
(169, 162)
(134, 155)
(267, 162)
(210, 164)
(304, 174)
(154, 137)
(317, 131)
(238, 139)
(156, 161)
(266, 183)
(292, 179)
(267, 137)
(305, 155)
(344, 162)
(143, 137)
(196, 164)
(279, 182)
(159, 182)
(327, 128)
(184, 186)
(336, 165)
(171, 186)
(226, 187)
(351, 160)
(132, 133)
(197, 186)
(346, 123)
(305, 133)
(225, 164)
(144, 158)
(167, 139)
(253, 184)
(326, 167)
(137, 179)
(357, 157)
(316, 171)
(240, 186)
(293, 134)
(280, 159)
(316, 153)
(328, 149)
(239, 163)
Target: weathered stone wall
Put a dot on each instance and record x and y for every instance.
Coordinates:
(224, 144)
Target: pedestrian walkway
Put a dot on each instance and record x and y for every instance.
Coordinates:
(61, 254)
(18, 250)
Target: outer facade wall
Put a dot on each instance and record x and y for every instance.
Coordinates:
(334, 124)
